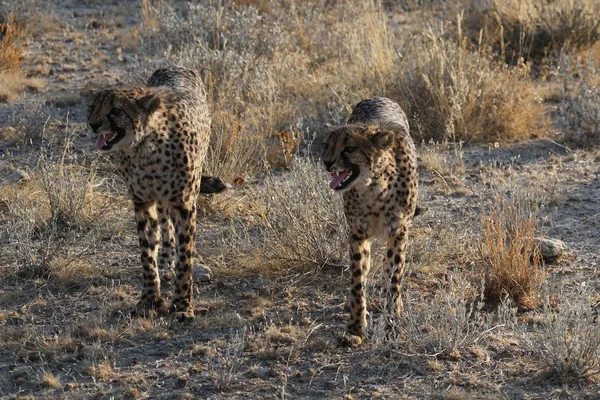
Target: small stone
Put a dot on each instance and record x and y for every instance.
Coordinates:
(9, 174)
(263, 372)
(202, 274)
(551, 249)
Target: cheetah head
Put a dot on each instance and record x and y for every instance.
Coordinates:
(350, 153)
(118, 117)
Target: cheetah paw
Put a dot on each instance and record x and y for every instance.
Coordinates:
(185, 317)
(183, 314)
(350, 340)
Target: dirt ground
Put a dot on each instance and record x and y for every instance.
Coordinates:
(69, 334)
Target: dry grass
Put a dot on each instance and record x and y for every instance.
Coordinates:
(447, 166)
(305, 237)
(11, 53)
(54, 220)
(150, 11)
(12, 79)
(49, 380)
(532, 31)
(568, 340)
(579, 111)
(454, 94)
(513, 265)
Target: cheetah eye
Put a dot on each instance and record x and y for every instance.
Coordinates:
(117, 112)
(350, 149)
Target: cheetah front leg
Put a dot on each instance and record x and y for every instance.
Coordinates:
(147, 227)
(360, 260)
(184, 218)
(395, 263)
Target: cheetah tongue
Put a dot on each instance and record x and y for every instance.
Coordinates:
(102, 139)
(338, 179)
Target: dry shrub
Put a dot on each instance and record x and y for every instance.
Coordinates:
(532, 30)
(579, 111)
(305, 237)
(10, 51)
(447, 324)
(572, 25)
(52, 221)
(513, 265)
(49, 380)
(12, 80)
(150, 11)
(451, 93)
(568, 339)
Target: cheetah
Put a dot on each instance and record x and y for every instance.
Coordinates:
(159, 135)
(373, 164)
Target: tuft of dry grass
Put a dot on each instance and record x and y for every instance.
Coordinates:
(11, 53)
(451, 93)
(568, 339)
(53, 220)
(446, 325)
(513, 265)
(578, 113)
(532, 31)
(571, 25)
(150, 11)
(308, 236)
(49, 380)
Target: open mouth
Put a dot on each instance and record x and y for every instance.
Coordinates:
(106, 140)
(342, 179)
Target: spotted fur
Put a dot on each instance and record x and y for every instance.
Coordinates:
(159, 134)
(377, 158)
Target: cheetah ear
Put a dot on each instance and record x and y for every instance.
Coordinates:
(383, 138)
(148, 103)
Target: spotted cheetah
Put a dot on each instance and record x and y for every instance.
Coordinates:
(159, 134)
(373, 163)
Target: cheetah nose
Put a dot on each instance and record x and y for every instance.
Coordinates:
(95, 125)
(328, 164)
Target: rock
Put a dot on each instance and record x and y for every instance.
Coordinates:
(9, 174)
(263, 373)
(551, 249)
(201, 274)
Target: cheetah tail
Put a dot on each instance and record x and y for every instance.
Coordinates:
(211, 185)
(420, 210)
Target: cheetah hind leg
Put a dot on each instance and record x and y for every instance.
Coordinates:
(395, 263)
(167, 249)
(184, 219)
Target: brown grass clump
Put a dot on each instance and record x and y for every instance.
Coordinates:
(150, 11)
(533, 31)
(10, 51)
(454, 94)
(49, 380)
(12, 80)
(568, 340)
(571, 25)
(578, 113)
(512, 263)
(272, 238)
(102, 370)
